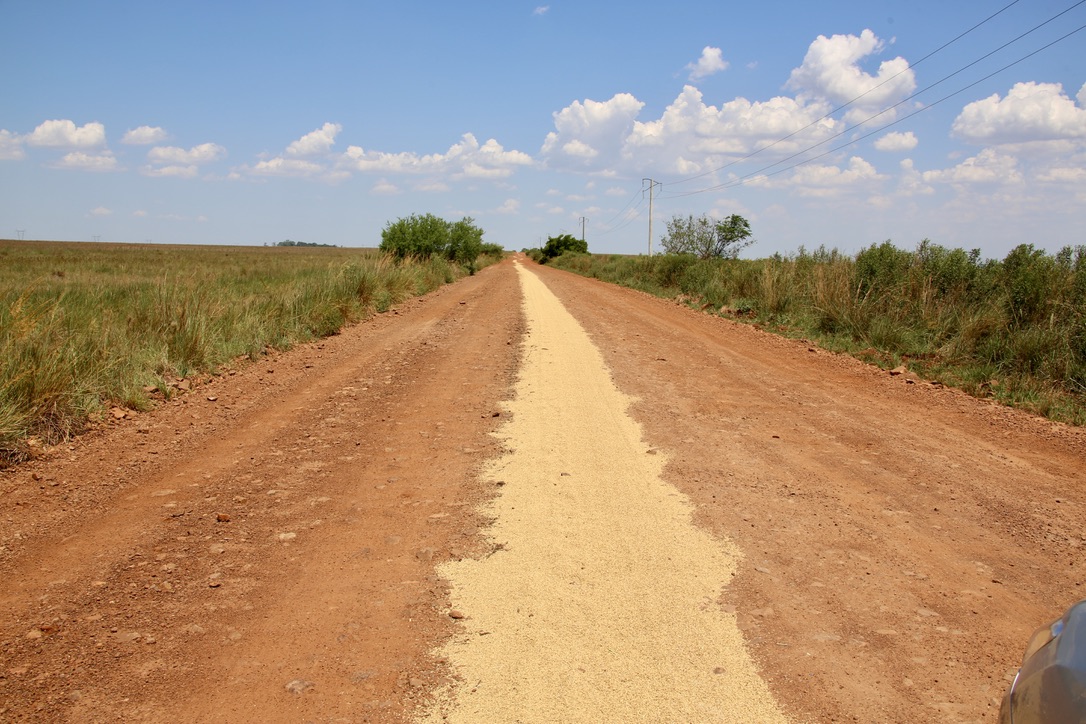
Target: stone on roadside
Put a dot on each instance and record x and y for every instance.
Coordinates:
(299, 685)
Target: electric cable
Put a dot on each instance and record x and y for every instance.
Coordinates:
(741, 180)
(619, 213)
(631, 216)
(853, 127)
(910, 66)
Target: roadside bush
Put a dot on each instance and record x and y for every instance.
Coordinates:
(496, 251)
(418, 236)
(465, 243)
(881, 268)
(1029, 277)
(668, 269)
(425, 236)
(949, 270)
(558, 245)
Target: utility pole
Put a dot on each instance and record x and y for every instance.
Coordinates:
(584, 221)
(21, 233)
(652, 184)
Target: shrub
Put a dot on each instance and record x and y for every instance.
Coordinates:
(707, 238)
(418, 236)
(881, 268)
(1028, 278)
(425, 236)
(558, 245)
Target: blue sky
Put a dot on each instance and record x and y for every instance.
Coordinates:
(253, 122)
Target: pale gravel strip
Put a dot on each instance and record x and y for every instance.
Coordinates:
(601, 602)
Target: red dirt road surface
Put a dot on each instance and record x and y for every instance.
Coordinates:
(268, 546)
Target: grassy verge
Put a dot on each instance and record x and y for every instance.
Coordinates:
(88, 326)
(1011, 329)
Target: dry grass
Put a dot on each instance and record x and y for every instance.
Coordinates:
(86, 326)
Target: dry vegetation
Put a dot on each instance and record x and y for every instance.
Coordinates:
(87, 326)
(1013, 329)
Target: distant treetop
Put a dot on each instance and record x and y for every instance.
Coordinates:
(291, 242)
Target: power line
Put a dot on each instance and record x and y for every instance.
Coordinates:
(733, 183)
(741, 180)
(862, 95)
(635, 195)
(629, 216)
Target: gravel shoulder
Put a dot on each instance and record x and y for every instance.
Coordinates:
(599, 602)
(901, 540)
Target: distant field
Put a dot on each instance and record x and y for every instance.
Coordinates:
(87, 325)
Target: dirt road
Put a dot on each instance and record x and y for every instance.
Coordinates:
(272, 546)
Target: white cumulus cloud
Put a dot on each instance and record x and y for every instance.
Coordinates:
(988, 167)
(65, 134)
(197, 155)
(466, 159)
(385, 187)
(710, 62)
(689, 137)
(11, 146)
(144, 136)
(896, 141)
(1030, 112)
(579, 148)
(831, 71)
(590, 129)
(80, 161)
(101, 211)
(279, 166)
(1064, 175)
(541, 10)
(175, 171)
(911, 182)
(819, 180)
(314, 142)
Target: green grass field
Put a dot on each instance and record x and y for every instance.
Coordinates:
(84, 326)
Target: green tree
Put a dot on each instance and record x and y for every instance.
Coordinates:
(420, 236)
(558, 245)
(707, 238)
(492, 249)
(465, 242)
